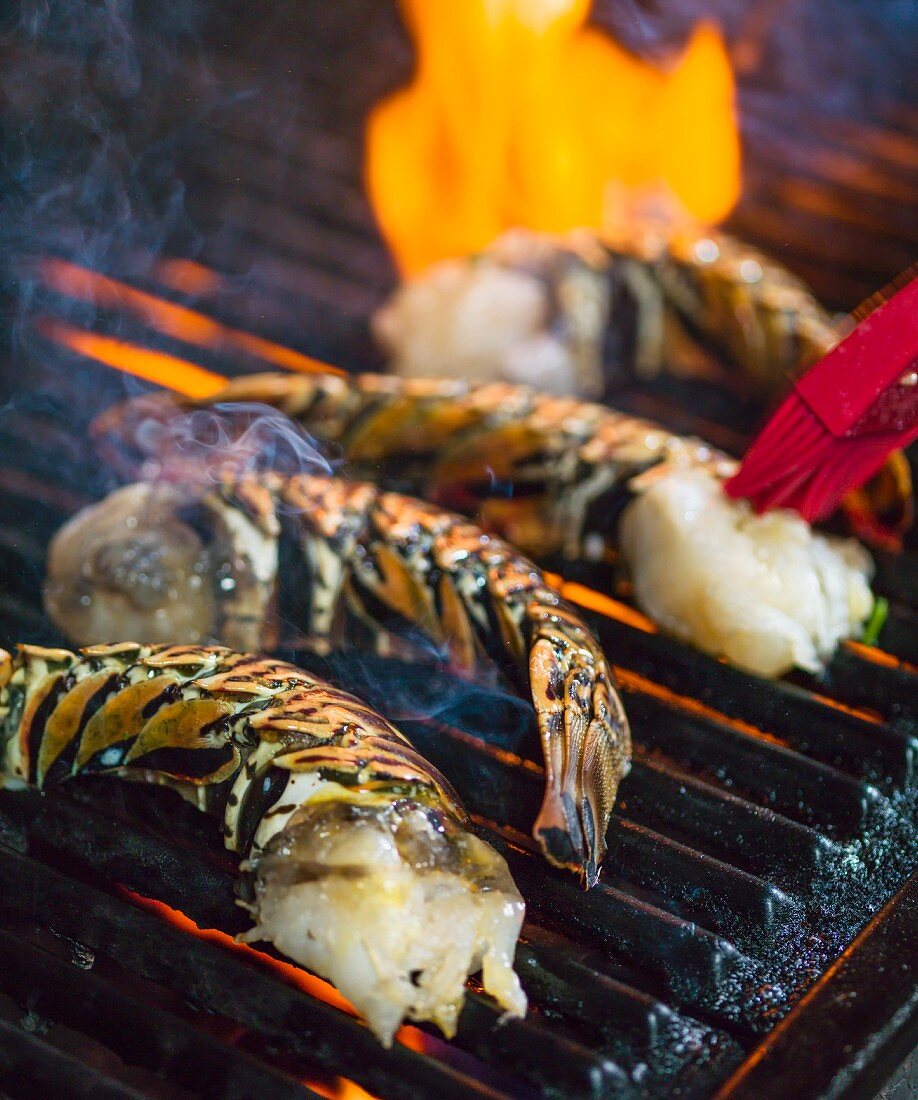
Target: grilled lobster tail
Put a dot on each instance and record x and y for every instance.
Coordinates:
(457, 443)
(353, 838)
(587, 481)
(342, 560)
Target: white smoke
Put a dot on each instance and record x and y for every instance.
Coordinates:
(226, 442)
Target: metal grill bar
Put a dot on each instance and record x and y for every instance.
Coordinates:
(83, 840)
(755, 834)
(658, 796)
(802, 789)
(866, 1001)
(734, 838)
(881, 753)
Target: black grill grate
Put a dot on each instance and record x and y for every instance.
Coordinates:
(762, 826)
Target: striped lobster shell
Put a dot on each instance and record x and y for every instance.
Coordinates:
(550, 474)
(360, 866)
(227, 730)
(340, 560)
(694, 289)
(654, 293)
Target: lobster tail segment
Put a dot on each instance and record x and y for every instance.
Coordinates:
(585, 736)
(325, 558)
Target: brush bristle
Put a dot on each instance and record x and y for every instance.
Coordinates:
(797, 463)
(815, 489)
(818, 445)
(794, 440)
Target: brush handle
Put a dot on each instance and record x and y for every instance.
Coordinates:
(843, 386)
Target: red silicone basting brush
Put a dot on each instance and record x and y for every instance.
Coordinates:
(843, 417)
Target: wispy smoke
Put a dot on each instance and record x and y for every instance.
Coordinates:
(228, 441)
(423, 690)
(85, 170)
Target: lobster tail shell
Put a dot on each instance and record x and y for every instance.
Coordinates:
(586, 739)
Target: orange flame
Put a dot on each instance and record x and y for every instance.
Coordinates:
(520, 115)
(153, 366)
(177, 321)
(604, 605)
(878, 656)
(303, 980)
(341, 1089)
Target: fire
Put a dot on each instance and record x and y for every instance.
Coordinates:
(153, 366)
(878, 656)
(520, 115)
(187, 276)
(308, 983)
(604, 605)
(341, 1089)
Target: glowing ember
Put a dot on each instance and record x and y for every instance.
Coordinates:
(634, 681)
(187, 276)
(519, 115)
(342, 1089)
(864, 713)
(173, 320)
(878, 656)
(153, 366)
(315, 987)
(605, 605)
